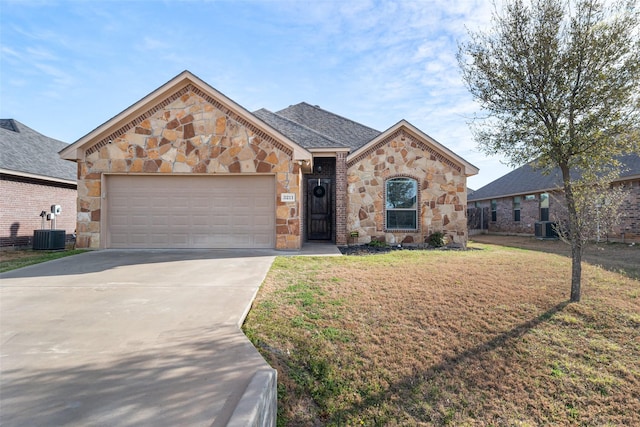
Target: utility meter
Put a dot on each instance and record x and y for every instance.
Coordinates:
(56, 209)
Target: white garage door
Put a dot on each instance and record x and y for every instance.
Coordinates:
(190, 211)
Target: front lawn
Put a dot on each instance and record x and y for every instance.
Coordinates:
(13, 259)
(482, 337)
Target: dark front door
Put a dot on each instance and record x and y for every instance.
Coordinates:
(318, 209)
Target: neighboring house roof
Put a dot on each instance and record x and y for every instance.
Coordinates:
(25, 152)
(527, 179)
(337, 128)
(169, 92)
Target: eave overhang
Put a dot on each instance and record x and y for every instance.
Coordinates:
(404, 129)
(161, 97)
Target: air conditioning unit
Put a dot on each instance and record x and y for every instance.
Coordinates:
(49, 239)
(546, 230)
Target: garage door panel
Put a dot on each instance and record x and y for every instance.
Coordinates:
(161, 221)
(190, 212)
(160, 239)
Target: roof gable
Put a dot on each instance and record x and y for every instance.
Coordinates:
(170, 92)
(422, 141)
(26, 152)
(337, 128)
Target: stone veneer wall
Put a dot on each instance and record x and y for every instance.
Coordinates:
(192, 133)
(442, 194)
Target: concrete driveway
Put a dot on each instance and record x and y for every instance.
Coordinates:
(132, 338)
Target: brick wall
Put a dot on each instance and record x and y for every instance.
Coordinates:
(628, 230)
(341, 199)
(22, 201)
(529, 213)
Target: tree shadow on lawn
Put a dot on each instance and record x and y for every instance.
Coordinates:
(618, 258)
(449, 365)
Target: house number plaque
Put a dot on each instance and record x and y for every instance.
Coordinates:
(287, 197)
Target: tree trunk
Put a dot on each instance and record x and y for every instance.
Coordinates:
(574, 235)
(576, 269)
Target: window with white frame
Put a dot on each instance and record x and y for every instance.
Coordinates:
(401, 203)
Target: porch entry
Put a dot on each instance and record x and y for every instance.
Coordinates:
(319, 209)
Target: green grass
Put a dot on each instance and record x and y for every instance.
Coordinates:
(18, 259)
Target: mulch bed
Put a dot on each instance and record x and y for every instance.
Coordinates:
(373, 250)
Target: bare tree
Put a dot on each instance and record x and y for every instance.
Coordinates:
(559, 82)
(598, 210)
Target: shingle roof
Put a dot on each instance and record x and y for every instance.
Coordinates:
(301, 135)
(527, 179)
(332, 126)
(22, 149)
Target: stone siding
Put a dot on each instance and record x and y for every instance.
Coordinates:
(442, 196)
(22, 201)
(189, 134)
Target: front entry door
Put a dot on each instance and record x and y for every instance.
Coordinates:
(319, 217)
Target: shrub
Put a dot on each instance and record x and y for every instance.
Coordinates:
(377, 243)
(437, 239)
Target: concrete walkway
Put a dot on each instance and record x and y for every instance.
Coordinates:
(134, 338)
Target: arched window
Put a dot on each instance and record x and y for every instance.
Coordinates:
(401, 203)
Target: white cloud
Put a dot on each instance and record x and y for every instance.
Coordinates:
(151, 44)
(373, 61)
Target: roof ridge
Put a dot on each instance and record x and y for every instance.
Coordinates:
(317, 107)
(305, 127)
(10, 125)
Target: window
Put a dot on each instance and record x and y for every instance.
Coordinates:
(494, 210)
(401, 198)
(544, 207)
(516, 208)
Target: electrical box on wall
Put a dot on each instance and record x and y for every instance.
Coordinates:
(56, 209)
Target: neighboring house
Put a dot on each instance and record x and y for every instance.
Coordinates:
(514, 203)
(32, 178)
(187, 167)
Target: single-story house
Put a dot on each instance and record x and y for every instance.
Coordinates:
(515, 202)
(33, 177)
(187, 167)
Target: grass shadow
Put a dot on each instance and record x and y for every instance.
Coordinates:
(449, 365)
(618, 258)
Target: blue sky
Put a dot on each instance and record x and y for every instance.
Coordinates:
(67, 67)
